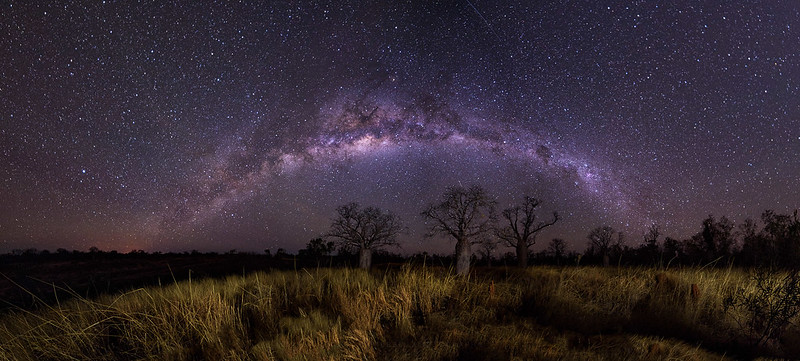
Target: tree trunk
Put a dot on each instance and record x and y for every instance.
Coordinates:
(365, 258)
(522, 255)
(463, 255)
(606, 260)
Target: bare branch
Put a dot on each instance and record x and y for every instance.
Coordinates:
(521, 227)
(368, 228)
(464, 214)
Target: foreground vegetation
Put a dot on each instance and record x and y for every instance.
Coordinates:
(542, 313)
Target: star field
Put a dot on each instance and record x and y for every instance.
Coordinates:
(221, 125)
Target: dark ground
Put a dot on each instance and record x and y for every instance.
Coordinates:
(51, 278)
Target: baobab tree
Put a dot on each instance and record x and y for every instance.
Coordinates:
(601, 241)
(649, 249)
(557, 248)
(366, 230)
(521, 226)
(486, 247)
(464, 214)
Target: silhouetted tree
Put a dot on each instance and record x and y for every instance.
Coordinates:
(619, 248)
(487, 246)
(520, 228)
(648, 251)
(673, 250)
(557, 248)
(781, 234)
(756, 250)
(465, 215)
(651, 237)
(602, 240)
(346, 252)
(317, 248)
(714, 242)
(366, 230)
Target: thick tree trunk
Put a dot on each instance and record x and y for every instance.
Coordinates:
(463, 257)
(606, 260)
(365, 258)
(522, 255)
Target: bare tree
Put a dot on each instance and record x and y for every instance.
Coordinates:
(365, 230)
(521, 228)
(557, 248)
(465, 215)
(601, 241)
(649, 251)
(487, 246)
(651, 237)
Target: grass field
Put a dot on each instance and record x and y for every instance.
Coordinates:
(412, 313)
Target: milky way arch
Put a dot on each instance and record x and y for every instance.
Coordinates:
(355, 127)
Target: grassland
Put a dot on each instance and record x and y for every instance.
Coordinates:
(413, 313)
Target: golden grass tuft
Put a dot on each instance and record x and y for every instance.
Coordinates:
(542, 313)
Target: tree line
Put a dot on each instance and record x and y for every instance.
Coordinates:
(774, 241)
(468, 216)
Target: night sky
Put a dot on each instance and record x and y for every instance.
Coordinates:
(180, 125)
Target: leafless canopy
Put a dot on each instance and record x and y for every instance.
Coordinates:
(463, 213)
(367, 228)
(652, 234)
(601, 239)
(557, 247)
(521, 225)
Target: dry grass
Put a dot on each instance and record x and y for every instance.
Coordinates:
(412, 314)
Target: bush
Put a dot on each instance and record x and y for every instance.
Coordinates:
(765, 312)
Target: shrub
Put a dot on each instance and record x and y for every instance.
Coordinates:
(765, 312)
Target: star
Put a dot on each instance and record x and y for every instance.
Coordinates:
(219, 126)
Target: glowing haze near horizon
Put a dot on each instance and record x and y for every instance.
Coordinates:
(216, 126)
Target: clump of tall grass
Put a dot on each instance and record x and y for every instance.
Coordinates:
(413, 313)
